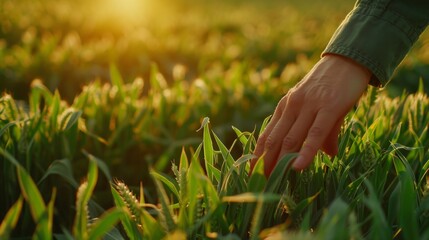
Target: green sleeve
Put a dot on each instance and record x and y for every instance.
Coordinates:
(379, 33)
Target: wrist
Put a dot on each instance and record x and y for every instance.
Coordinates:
(350, 65)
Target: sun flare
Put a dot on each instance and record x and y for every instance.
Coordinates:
(126, 11)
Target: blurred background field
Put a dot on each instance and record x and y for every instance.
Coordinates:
(141, 75)
(71, 43)
(68, 44)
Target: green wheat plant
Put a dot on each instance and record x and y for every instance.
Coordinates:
(86, 224)
(223, 201)
(375, 188)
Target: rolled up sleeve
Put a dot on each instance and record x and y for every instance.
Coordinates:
(378, 34)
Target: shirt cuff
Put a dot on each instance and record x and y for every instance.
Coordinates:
(379, 40)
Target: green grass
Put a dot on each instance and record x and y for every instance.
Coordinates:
(375, 188)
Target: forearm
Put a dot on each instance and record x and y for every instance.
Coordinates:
(379, 33)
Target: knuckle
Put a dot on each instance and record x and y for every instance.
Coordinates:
(309, 149)
(270, 142)
(315, 131)
(289, 143)
(282, 103)
(263, 137)
(294, 99)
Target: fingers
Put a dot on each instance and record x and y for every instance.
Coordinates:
(330, 146)
(273, 143)
(307, 133)
(316, 136)
(259, 150)
(292, 141)
(286, 133)
(266, 137)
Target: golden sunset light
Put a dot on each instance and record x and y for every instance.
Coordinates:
(214, 119)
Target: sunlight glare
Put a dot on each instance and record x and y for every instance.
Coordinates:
(127, 11)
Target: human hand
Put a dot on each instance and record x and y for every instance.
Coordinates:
(310, 115)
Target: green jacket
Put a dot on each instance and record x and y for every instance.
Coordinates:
(379, 33)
